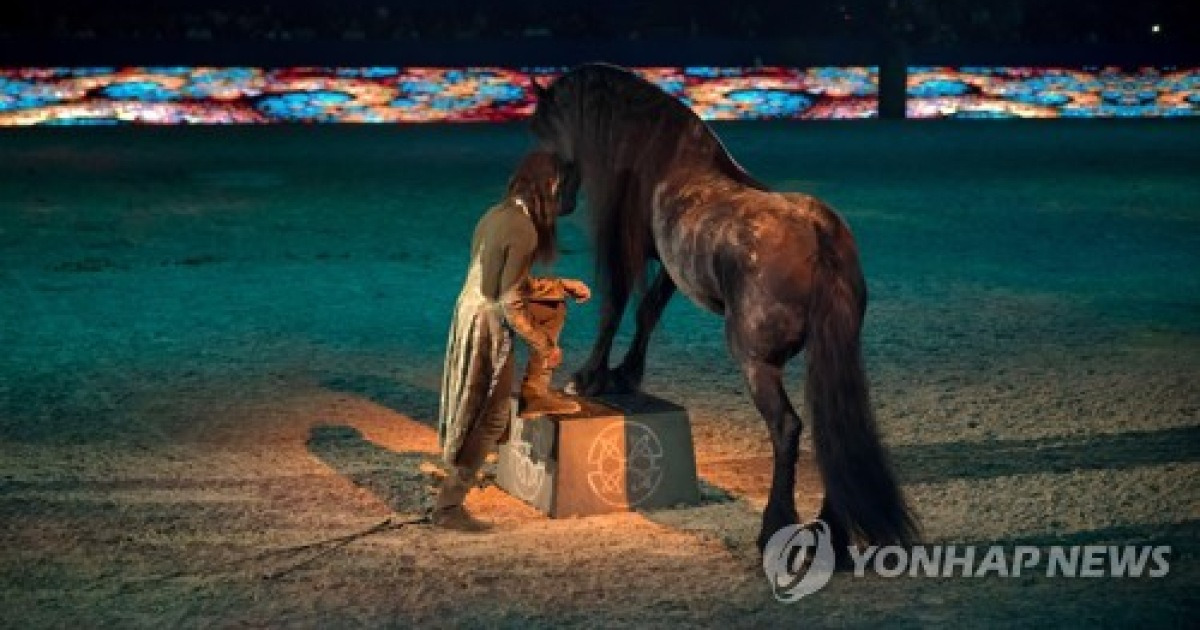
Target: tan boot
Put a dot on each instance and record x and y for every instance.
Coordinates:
(535, 404)
(537, 399)
(448, 510)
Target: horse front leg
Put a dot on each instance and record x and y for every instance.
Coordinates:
(627, 377)
(594, 376)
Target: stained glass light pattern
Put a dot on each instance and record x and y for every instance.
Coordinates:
(249, 95)
(1009, 92)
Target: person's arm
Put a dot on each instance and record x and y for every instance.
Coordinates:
(544, 289)
(576, 289)
(556, 289)
(507, 270)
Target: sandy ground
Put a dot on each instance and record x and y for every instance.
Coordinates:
(223, 343)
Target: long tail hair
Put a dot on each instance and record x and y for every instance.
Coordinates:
(861, 492)
(532, 183)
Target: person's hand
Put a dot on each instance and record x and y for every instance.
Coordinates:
(554, 358)
(576, 289)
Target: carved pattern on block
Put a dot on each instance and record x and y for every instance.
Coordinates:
(528, 475)
(625, 464)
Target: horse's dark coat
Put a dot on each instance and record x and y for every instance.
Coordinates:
(781, 268)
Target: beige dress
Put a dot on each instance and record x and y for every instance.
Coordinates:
(477, 376)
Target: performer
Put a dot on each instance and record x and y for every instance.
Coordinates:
(500, 298)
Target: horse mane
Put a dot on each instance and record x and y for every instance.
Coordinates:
(626, 134)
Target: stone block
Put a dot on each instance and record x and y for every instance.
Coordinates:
(617, 453)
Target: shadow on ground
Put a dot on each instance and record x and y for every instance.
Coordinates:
(414, 401)
(1184, 538)
(394, 477)
(928, 463)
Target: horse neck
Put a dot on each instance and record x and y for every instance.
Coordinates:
(682, 154)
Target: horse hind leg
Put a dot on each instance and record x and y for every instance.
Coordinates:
(627, 377)
(765, 380)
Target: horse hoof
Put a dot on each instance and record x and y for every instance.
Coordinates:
(773, 521)
(588, 383)
(622, 381)
(595, 383)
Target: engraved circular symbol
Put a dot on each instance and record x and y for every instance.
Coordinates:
(528, 476)
(625, 464)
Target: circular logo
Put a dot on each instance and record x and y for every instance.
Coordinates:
(798, 560)
(625, 464)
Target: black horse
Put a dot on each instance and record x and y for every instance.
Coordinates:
(782, 269)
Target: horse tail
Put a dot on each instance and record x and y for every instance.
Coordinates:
(862, 497)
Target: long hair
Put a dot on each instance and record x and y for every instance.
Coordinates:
(534, 183)
(624, 134)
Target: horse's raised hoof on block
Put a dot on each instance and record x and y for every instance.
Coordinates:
(588, 383)
(624, 380)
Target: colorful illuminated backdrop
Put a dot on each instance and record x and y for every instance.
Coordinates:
(250, 95)
(32, 96)
(986, 92)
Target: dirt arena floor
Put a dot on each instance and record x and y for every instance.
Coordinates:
(222, 344)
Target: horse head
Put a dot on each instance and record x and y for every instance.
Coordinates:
(549, 126)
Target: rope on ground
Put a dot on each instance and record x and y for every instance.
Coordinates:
(323, 548)
(329, 545)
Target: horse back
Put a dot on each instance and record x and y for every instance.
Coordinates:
(727, 243)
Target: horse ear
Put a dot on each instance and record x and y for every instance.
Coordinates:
(538, 90)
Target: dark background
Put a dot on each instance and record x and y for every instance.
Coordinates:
(454, 32)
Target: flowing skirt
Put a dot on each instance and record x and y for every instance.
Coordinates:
(478, 347)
